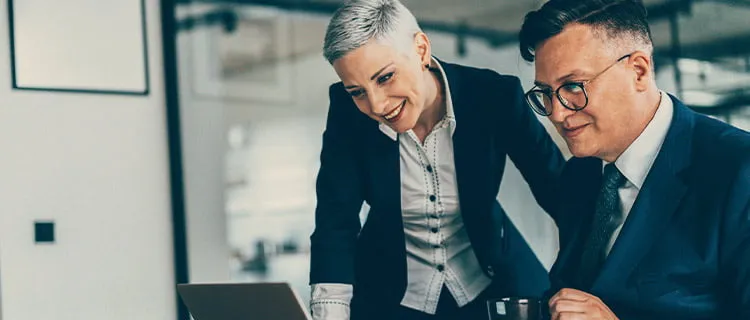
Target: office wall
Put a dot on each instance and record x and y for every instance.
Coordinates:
(96, 165)
(204, 144)
(207, 120)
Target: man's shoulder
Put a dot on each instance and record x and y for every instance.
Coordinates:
(722, 145)
(720, 159)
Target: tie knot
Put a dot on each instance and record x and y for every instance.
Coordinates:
(613, 178)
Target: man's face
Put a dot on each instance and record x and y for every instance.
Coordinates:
(578, 54)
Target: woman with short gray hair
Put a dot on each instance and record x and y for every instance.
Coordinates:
(436, 243)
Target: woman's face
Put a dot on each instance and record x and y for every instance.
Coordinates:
(387, 84)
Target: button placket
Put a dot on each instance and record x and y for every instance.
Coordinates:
(431, 209)
(431, 154)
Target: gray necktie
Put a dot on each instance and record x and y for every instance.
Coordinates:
(607, 217)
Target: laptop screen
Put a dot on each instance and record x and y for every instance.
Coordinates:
(250, 301)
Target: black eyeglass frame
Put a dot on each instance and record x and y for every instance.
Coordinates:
(541, 110)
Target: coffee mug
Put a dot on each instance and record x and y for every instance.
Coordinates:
(514, 308)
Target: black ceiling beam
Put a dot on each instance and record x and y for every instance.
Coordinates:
(666, 9)
(725, 106)
(709, 51)
(730, 46)
(225, 17)
(493, 37)
(737, 3)
(289, 5)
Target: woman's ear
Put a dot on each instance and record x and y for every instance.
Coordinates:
(422, 44)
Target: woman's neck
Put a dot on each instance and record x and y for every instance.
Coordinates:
(434, 107)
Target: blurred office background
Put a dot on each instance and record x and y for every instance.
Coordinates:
(178, 141)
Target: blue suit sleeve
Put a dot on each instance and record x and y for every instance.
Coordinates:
(736, 247)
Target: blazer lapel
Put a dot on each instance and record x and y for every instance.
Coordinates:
(463, 148)
(463, 145)
(472, 158)
(657, 201)
(384, 164)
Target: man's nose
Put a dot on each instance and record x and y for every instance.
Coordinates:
(559, 111)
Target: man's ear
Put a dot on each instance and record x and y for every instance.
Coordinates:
(644, 71)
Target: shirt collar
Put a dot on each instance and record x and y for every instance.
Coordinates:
(636, 161)
(450, 116)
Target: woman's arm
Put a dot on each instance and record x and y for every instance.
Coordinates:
(339, 201)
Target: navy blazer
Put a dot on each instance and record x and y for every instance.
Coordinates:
(360, 163)
(684, 250)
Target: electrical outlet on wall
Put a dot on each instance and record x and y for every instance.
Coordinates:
(44, 231)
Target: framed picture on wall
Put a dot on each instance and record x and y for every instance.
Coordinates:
(253, 62)
(79, 46)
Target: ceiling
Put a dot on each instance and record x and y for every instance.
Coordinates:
(709, 30)
(705, 27)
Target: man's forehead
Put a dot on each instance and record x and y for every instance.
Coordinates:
(561, 66)
(575, 39)
(576, 49)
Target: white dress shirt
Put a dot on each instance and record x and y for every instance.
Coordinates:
(636, 161)
(438, 251)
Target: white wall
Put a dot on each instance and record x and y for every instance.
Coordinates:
(206, 122)
(96, 165)
(203, 148)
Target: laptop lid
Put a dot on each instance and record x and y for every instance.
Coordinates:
(245, 301)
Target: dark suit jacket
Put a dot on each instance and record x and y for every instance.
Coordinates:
(359, 163)
(684, 250)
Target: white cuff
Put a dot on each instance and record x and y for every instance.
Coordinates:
(330, 301)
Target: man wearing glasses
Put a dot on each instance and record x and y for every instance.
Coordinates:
(655, 205)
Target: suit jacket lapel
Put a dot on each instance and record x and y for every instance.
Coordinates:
(472, 152)
(657, 201)
(383, 159)
(462, 139)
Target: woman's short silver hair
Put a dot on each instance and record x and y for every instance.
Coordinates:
(359, 21)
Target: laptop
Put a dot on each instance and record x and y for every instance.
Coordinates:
(242, 301)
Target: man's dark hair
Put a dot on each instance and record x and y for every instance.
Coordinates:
(615, 17)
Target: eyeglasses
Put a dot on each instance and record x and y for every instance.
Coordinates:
(572, 95)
